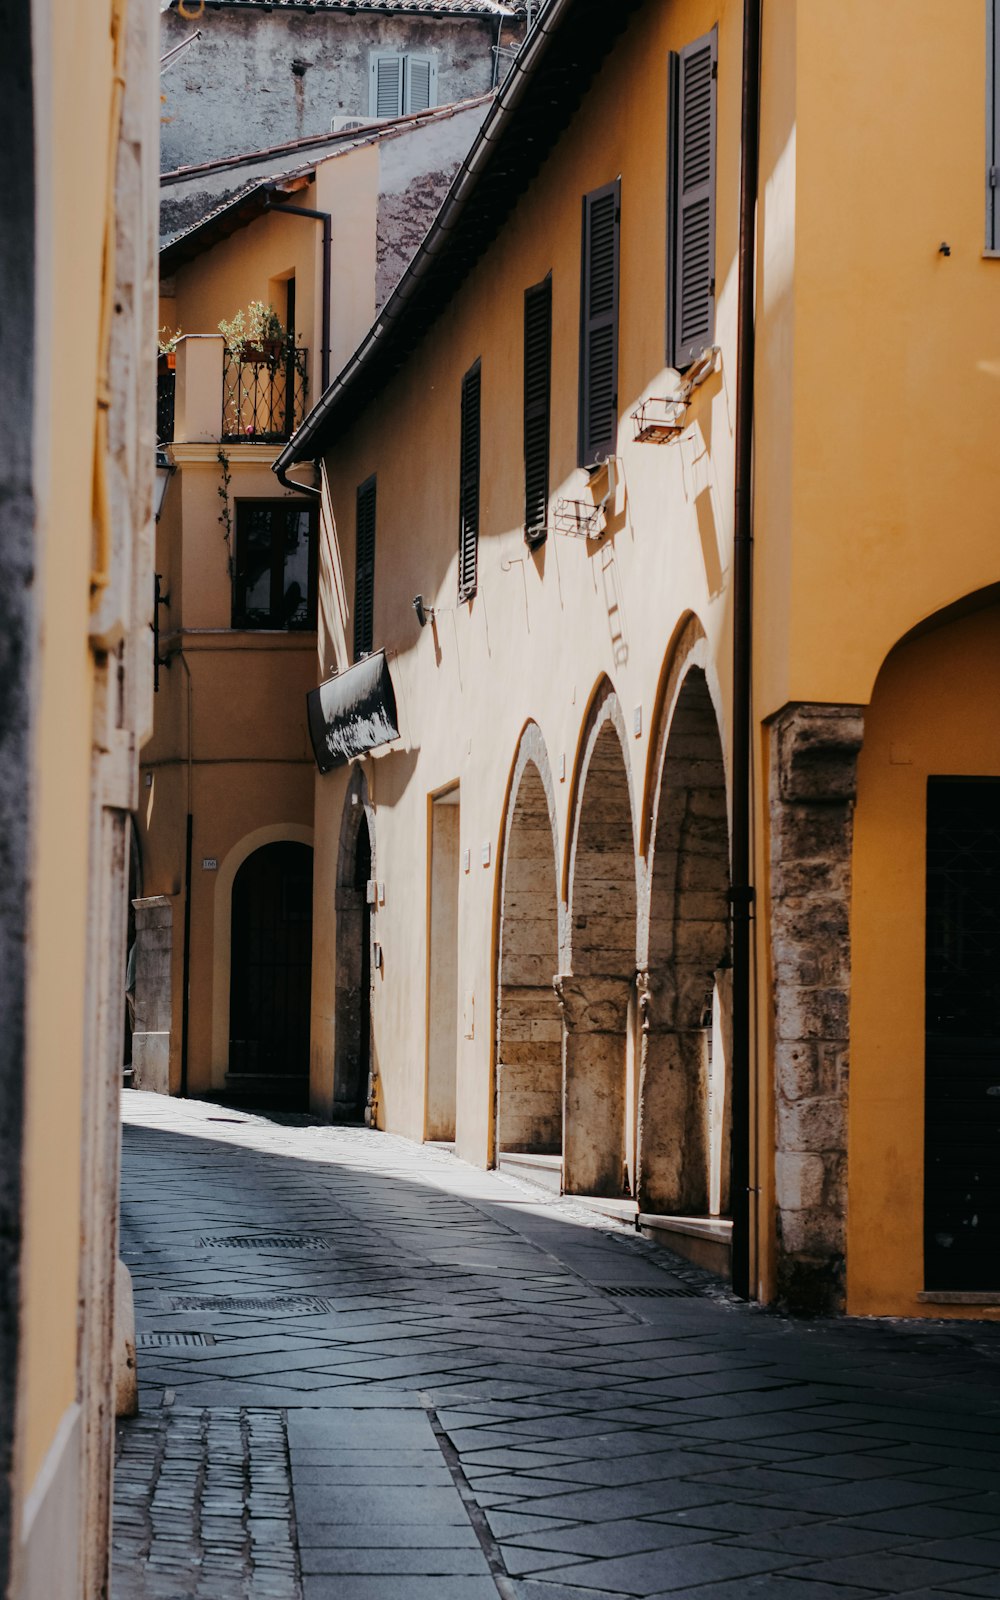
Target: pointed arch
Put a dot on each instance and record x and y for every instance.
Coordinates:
(529, 1113)
(684, 1091)
(597, 989)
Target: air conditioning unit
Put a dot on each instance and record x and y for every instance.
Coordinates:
(345, 124)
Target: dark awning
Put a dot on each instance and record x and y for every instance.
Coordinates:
(352, 713)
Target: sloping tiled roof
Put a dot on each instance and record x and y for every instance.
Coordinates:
(458, 8)
(564, 51)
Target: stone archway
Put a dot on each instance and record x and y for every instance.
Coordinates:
(529, 1110)
(597, 993)
(684, 1091)
(352, 1055)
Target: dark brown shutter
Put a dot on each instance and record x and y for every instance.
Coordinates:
(993, 125)
(537, 390)
(364, 570)
(691, 212)
(599, 325)
(468, 531)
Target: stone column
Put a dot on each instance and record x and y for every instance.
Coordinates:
(595, 1018)
(673, 1107)
(151, 1036)
(813, 781)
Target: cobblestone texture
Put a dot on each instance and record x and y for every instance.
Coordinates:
(469, 1413)
(203, 1507)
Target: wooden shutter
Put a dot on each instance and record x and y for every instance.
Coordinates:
(468, 530)
(691, 209)
(537, 398)
(421, 83)
(993, 125)
(364, 570)
(385, 96)
(599, 325)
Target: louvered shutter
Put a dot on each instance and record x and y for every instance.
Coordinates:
(691, 248)
(421, 83)
(385, 98)
(537, 392)
(599, 325)
(468, 532)
(364, 570)
(993, 126)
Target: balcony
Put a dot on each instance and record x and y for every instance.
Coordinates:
(264, 392)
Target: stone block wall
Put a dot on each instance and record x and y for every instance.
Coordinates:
(813, 778)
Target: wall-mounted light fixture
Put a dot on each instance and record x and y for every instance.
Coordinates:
(425, 614)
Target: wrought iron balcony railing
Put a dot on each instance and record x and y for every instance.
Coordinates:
(165, 389)
(263, 392)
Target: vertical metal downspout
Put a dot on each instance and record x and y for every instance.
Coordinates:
(325, 218)
(186, 960)
(742, 893)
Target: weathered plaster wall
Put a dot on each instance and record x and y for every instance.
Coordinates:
(257, 77)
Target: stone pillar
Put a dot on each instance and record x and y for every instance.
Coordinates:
(813, 781)
(673, 1107)
(595, 1019)
(151, 1035)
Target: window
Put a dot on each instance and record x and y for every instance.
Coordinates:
(992, 125)
(364, 570)
(274, 582)
(691, 201)
(400, 84)
(598, 437)
(468, 493)
(537, 391)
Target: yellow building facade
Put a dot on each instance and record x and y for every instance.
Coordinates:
(224, 823)
(77, 273)
(536, 871)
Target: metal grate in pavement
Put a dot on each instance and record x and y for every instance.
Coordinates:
(172, 1341)
(266, 1241)
(634, 1291)
(303, 1304)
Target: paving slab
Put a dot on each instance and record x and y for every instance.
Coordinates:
(372, 1372)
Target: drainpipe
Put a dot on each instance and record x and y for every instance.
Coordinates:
(742, 893)
(325, 219)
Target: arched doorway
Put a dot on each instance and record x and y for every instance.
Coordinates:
(529, 1107)
(684, 1093)
(352, 1037)
(598, 995)
(271, 960)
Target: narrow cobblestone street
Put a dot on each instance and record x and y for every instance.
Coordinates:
(372, 1372)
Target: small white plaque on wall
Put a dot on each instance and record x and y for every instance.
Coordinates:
(209, 864)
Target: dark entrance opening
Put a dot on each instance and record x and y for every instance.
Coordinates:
(362, 873)
(271, 971)
(962, 1103)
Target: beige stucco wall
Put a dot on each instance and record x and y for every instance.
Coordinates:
(544, 629)
(230, 743)
(95, 229)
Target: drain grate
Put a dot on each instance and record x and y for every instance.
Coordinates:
(172, 1341)
(266, 1241)
(631, 1291)
(303, 1304)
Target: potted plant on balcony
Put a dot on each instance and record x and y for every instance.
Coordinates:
(255, 334)
(166, 349)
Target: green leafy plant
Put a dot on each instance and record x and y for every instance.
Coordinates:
(226, 514)
(166, 342)
(251, 329)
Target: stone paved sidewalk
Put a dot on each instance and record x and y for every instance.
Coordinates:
(371, 1372)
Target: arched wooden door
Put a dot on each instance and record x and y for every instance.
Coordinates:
(271, 962)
